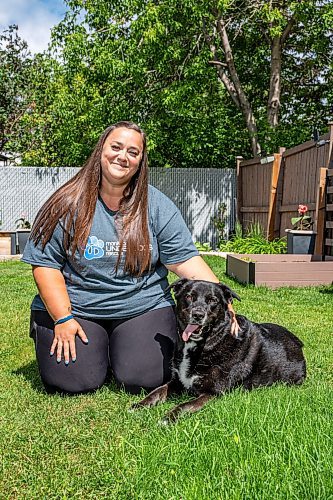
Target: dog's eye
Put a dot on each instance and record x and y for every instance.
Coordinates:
(188, 297)
(212, 300)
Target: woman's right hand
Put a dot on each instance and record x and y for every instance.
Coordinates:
(64, 340)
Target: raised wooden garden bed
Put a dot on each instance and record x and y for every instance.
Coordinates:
(13, 242)
(7, 242)
(280, 270)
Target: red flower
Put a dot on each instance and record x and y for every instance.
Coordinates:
(302, 209)
(302, 222)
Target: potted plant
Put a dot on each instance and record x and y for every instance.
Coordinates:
(301, 239)
(23, 227)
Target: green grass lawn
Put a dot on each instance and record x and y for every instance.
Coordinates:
(273, 443)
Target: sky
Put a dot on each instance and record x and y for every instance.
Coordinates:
(35, 18)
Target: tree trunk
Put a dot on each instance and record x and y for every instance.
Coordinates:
(273, 105)
(244, 104)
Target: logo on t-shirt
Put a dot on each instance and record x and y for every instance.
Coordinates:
(94, 248)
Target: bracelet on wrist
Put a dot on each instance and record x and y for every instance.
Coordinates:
(63, 320)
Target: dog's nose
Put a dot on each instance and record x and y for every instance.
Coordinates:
(198, 315)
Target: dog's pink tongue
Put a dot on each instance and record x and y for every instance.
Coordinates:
(188, 331)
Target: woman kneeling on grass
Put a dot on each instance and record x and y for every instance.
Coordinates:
(101, 248)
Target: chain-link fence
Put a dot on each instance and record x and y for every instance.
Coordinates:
(197, 192)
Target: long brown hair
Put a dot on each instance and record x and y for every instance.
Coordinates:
(74, 205)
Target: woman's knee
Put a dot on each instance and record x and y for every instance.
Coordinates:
(86, 374)
(75, 378)
(141, 350)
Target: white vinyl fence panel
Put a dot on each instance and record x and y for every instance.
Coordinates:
(197, 192)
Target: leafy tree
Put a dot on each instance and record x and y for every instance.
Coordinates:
(15, 92)
(208, 79)
(269, 56)
(101, 77)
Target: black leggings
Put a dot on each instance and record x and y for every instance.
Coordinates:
(138, 351)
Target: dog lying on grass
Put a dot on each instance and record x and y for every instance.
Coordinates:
(210, 361)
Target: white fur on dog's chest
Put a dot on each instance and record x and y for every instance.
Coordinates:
(183, 370)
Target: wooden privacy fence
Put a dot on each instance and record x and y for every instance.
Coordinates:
(328, 241)
(270, 189)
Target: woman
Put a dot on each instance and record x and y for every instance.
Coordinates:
(101, 248)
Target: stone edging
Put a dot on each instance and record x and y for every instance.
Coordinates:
(4, 258)
(218, 254)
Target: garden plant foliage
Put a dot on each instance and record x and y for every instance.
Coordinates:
(253, 240)
(272, 443)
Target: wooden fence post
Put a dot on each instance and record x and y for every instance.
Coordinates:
(328, 230)
(320, 213)
(239, 189)
(273, 205)
(330, 147)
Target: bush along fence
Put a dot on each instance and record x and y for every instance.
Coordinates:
(270, 190)
(198, 192)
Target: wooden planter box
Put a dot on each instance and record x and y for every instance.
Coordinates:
(7, 243)
(13, 242)
(280, 270)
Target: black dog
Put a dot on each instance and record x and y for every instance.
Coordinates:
(209, 360)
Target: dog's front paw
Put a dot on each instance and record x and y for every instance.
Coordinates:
(164, 422)
(134, 407)
(144, 403)
(171, 417)
(167, 420)
(156, 396)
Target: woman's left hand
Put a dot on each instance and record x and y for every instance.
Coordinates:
(234, 323)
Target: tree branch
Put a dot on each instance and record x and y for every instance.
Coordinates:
(218, 63)
(286, 32)
(273, 104)
(244, 103)
(222, 76)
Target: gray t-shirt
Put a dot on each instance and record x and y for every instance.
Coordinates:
(95, 289)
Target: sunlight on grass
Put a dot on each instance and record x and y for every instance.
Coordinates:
(269, 444)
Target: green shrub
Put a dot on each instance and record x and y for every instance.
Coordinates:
(203, 247)
(219, 221)
(253, 241)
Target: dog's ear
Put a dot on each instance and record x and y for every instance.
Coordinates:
(177, 285)
(229, 294)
